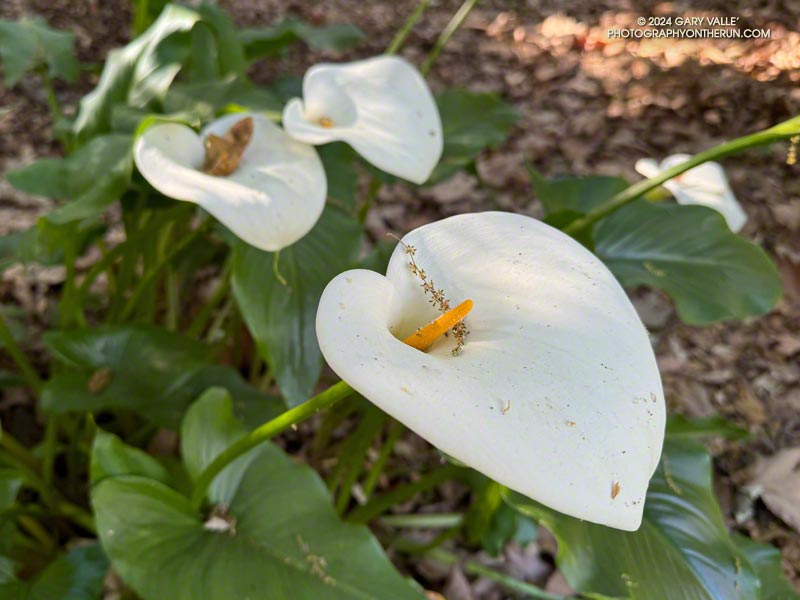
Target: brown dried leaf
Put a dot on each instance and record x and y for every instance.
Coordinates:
(777, 481)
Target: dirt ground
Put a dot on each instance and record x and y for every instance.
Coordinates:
(588, 105)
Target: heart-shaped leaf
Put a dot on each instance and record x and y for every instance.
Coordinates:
(269, 41)
(272, 535)
(139, 72)
(92, 178)
(281, 317)
(29, 42)
(471, 122)
(146, 369)
(689, 252)
(567, 198)
(682, 550)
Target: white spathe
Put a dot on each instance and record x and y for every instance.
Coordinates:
(556, 393)
(381, 106)
(271, 200)
(705, 184)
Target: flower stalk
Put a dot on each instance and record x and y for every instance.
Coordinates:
(782, 131)
(453, 26)
(265, 432)
(403, 32)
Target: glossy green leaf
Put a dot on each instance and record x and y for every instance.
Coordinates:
(689, 252)
(269, 41)
(207, 99)
(139, 72)
(682, 550)
(766, 560)
(90, 179)
(567, 198)
(682, 427)
(209, 428)
(277, 538)
(280, 317)
(339, 161)
(29, 43)
(471, 122)
(75, 575)
(229, 50)
(111, 457)
(143, 368)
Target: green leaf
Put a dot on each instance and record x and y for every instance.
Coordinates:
(75, 575)
(269, 41)
(209, 428)
(378, 258)
(134, 121)
(766, 560)
(338, 159)
(277, 536)
(681, 427)
(91, 178)
(682, 550)
(28, 43)
(229, 49)
(471, 122)
(143, 368)
(139, 72)
(689, 252)
(46, 243)
(565, 199)
(10, 482)
(280, 317)
(111, 458)
(207, 99)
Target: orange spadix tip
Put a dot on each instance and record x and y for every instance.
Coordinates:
(425, 336)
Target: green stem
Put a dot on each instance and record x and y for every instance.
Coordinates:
(375, 185)
(402, 34)
(396, 430)
(49, 448)
(381, 504)
(276, 258)
(352, 458)
(264, 433)
(10, 345)
(69, 310)
(76, 514)
(782, 131)
(199, 322)
(155, 271)
(475, 568)
(173, 300)
(49, 495)
(17, 451)
(423, 521)
(447, 33)
(38, 532)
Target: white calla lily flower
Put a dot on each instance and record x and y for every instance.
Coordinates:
(556, 392)
(381, 106)
(705, 184)
(273, 197)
